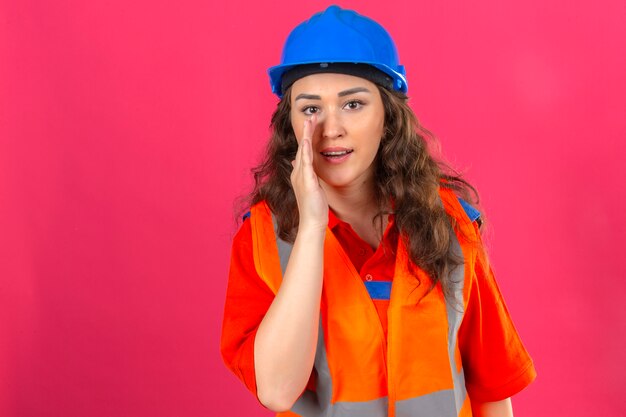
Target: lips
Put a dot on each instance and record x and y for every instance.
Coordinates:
(336, 155)
(336, 152)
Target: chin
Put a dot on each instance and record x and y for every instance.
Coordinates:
(344, 177)
(338, 181)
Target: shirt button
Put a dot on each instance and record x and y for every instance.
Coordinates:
(362, 252)
(369, 277)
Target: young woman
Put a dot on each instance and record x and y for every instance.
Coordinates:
(358, 282)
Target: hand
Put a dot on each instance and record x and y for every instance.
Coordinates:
(312, 203)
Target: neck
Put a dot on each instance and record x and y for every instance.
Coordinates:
(357, 206)
(352, 203)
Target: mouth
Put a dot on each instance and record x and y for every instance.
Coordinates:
(336, 153)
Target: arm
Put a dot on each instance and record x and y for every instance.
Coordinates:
(284, 348)
(495, 361)
(493, 409)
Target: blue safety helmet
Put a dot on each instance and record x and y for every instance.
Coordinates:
(338, 35)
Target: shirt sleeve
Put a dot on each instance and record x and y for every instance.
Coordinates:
(247, 300)
(495, 362)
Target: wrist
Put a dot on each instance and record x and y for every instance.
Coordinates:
(311, 231)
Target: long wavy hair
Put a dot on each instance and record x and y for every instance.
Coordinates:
(405, 173)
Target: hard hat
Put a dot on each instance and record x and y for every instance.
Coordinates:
(338, 35)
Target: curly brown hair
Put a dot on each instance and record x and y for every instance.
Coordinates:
(405, 173)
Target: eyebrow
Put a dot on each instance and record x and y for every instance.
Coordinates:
(339, 94)
(353, 91)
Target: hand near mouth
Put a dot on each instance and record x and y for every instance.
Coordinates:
(312, 203)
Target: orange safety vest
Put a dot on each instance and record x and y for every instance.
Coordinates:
(417, 371)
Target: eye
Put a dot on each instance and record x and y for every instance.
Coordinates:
(354, 104)
(309, 110)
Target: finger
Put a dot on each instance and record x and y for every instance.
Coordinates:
(309, 128)
(308, 171)
(307, 139)
(306, 153)
(307, 133)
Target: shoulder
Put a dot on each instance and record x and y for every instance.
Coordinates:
(257, 218)
(243, 236)
(259, 208)
(458, 208)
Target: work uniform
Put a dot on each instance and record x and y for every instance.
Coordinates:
(388, 344)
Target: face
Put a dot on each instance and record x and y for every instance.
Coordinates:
(350, 124)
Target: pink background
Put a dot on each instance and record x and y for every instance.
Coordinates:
(127, 129)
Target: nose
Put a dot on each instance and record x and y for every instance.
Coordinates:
(331, 126)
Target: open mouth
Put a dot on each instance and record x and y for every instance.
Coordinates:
(337, 154)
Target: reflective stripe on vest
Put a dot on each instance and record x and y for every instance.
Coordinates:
(358, 374)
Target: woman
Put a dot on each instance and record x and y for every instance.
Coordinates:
(358, 283)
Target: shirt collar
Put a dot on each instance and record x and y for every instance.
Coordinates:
(334, 221)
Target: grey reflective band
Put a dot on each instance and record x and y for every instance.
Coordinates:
(455, 310)
(440, 404)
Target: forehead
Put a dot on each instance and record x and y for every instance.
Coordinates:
(329, 83)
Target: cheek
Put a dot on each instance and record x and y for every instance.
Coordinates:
(374, 132)
(378, 119)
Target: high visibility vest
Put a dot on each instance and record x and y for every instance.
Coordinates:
(417, 371)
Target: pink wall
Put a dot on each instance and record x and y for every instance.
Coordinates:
(127, 129)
